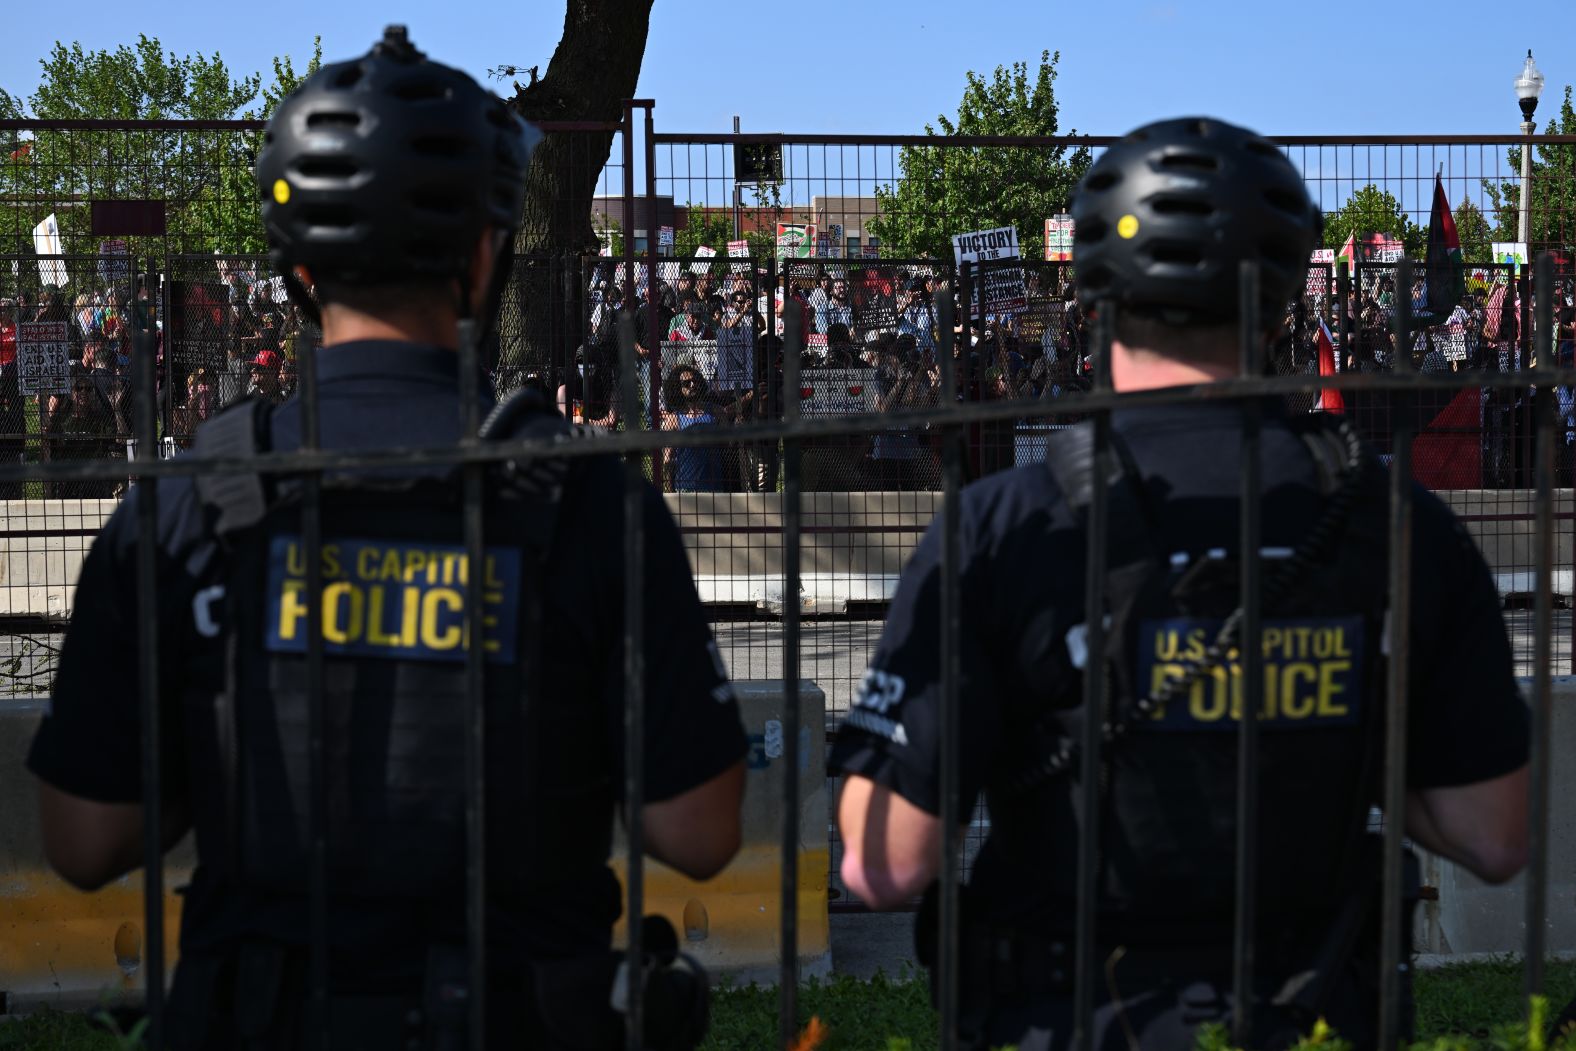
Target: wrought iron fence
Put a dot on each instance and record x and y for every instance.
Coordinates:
(851, 447)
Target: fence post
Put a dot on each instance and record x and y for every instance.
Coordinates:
(792, 510)
(948, 943)
(147, 426)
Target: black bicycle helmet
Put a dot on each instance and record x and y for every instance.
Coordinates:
(1167, 214)
(388, 168)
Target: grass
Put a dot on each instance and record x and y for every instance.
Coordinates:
(1466, 1002)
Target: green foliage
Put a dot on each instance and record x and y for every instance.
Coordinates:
(205, 176)
(951, 190)
(882, 1014)
(1372, 210)
(712, 229)
(1553, 188)
(1475, 234)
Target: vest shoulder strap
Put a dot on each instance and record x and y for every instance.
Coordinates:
(238, 500)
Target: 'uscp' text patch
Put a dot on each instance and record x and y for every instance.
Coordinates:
(401, 600)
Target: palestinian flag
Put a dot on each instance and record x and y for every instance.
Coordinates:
(1447, 282)
(1329, 400)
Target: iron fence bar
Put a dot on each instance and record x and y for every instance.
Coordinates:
(788, 978)
(1251, 665)
(947, 938)
(634, 694)
(1393, 969)
(1343, 285)
(654, 335)
(1543, 653)
(722, 138)
(317, 768)
(475, 688)
(151, 713)
(808, 427)
(1094, 694)
(628, 254)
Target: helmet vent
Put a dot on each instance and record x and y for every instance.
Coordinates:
(326, 167)
(333, 119)
(332, 215)
(1102, 180)
(441, 145)
(1198, 162)
(439, 201)
(420, 89)
(1174, 253)
(1182, 206)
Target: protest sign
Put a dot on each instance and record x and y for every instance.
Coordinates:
(832, 392)
(43, 357)
(702, 253)
(46, 243)
(664, 237)
(1512, 252)
(795, 240)
(199, 326)
(1059, 239)
(873, 248)
(1452, 340)
(874, 290)
(836, 236)
(998, 277)
(114, 265)
(823, 245)
(1322, 257)
(739, 250)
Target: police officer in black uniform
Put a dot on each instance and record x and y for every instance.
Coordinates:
(391, 188)
(1164, 218)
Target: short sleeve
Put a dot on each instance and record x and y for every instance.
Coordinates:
(89, 742)
(1467, 720)
(892, 734)
(693, 730)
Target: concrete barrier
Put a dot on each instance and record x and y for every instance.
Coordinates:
(1472, 918)
(61, 946)
(733, 922)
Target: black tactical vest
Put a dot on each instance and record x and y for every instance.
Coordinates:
(394, 587)
(1168, 795)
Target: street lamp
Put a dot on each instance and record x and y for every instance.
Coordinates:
(1528, 87)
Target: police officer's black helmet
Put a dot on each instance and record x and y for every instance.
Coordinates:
(387, 168)
(1166, 215)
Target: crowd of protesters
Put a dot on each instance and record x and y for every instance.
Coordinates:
(1035, 350)
(234, 335)
(238, 340)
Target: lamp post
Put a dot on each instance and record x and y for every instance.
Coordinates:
(1528, 87)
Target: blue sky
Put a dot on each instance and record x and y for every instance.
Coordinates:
(850, 66)
(1330, 68)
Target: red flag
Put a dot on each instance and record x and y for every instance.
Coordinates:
(1329, 400)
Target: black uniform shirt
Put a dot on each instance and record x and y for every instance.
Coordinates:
(1022, 561)
(380, 395)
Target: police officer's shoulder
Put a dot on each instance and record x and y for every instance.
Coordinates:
(997, 507)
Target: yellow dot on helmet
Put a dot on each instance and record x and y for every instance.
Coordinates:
(1127, 227)
(281, 191)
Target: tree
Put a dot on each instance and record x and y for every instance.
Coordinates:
(1372, 210)
(1552, 219)
(204, 177)
(946, 190)
(1475, 234)
(593, 70)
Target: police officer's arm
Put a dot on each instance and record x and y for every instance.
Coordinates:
(889, 747)
(695, 745)
(1468, 739)
(1482, 826)
(891, 848)
(90, 843)
(699, 831)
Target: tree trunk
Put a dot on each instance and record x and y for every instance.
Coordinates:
(593, 71)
